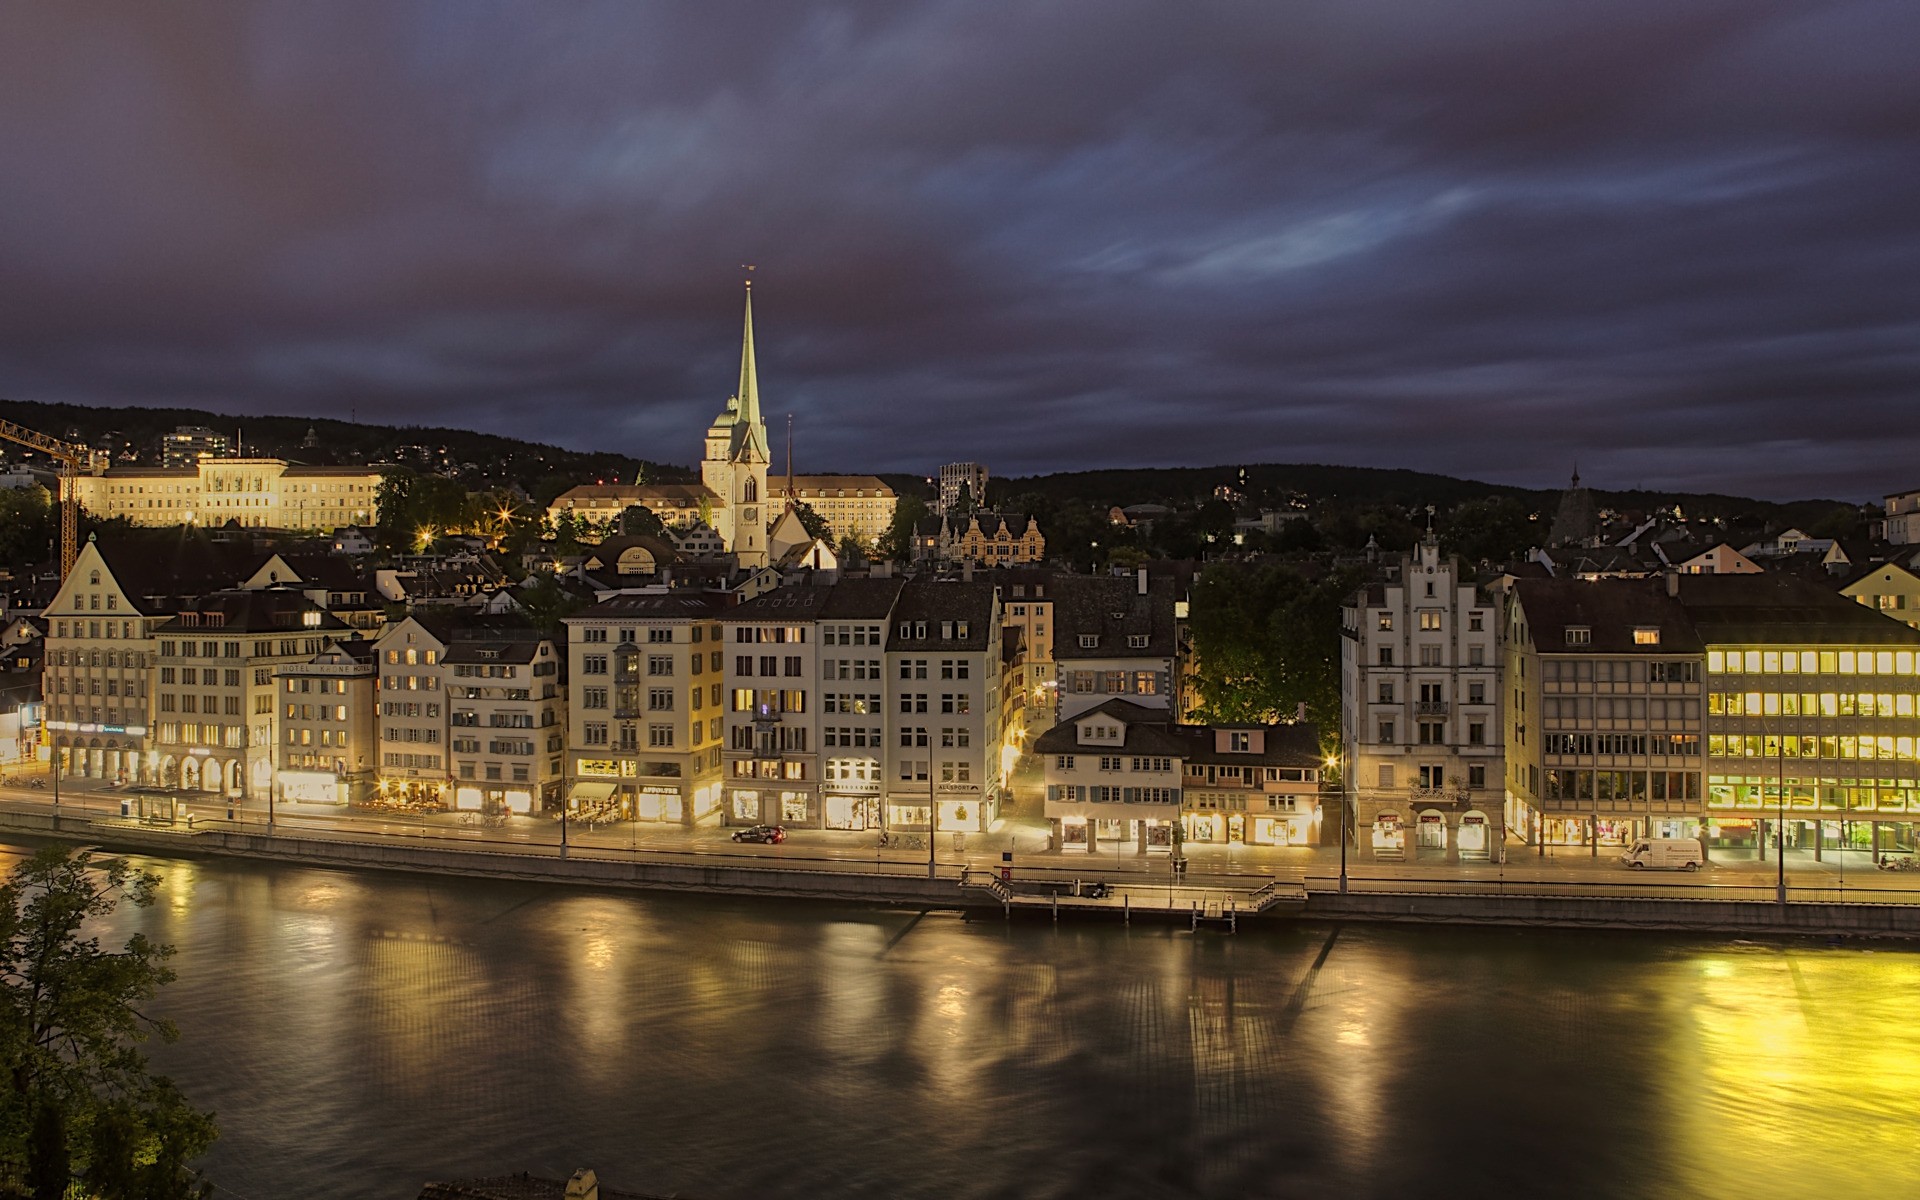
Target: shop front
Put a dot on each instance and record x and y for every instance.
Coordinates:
(657, 802)
(1389, 836)
(853, 811)
(312, 787)
(1290, 829)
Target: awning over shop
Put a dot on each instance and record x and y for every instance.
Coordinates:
(590, 793)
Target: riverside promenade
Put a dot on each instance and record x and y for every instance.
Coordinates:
(1011, 873)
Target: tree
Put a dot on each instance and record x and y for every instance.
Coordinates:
(80, 1105)
(815, 524)
(640, 521)
(26, 526)
(896, 544)
(1267, 640)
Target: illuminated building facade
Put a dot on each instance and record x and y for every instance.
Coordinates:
(644, 702)
(1604, 713)
(506, 721)
(1813, 707)
(807, 705)
(943, 697)
(1747, 710)
(412, 719)
(98, 661)
(1123, 774)
(326, 751)
(265, 493)
(1420, 689)
(215, 701)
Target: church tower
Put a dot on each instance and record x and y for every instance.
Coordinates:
(735, 464)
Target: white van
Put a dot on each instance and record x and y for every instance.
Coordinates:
(1680, 854)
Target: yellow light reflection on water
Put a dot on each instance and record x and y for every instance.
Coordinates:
(1806, 1060)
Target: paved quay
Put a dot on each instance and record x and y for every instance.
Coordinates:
(1227, 885)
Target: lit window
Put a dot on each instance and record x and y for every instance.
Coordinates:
(1646, 637)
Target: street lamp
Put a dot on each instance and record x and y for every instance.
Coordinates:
(1333, 764)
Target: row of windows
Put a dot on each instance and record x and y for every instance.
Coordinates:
(1750, 745)
(316, 712)
(1621, 785)
(1434, 733)
(952, 703)
(1430, 620)
(97, 658)
(1810, 704)
(1810, 662)
(1618, 708)
(770, 665)
(855, 703)
(656, 635)
(1607, 670)
(1622, 743)
(1433, 776)
(187, 702)
(1433, 656)
(1080, 793)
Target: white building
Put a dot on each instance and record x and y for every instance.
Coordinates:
(267, 493)
(944, 696)
(326, 748)
(506, 718)
(1114, 637)
(1420, 722)
(412, 720)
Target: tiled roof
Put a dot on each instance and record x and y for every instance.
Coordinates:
(1610, 610)
(1112, 611)
(937, 602)
(659, 606)
(1148, 731)
(1759, 609)
(270, 611)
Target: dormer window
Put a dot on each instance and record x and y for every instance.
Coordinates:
(1137, 641)
(1579, 635)
(1240, 742)
(1089, 640)
(1646, 636)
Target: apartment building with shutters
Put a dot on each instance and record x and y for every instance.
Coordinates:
(645, 701)
(326, 749)
(946, 755)
(412, 716)
(807, 721)
(1114, 637)
(506, 721)
(215, 700)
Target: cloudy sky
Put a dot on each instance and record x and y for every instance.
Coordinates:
(1679, 242)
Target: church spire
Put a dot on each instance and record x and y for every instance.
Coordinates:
(750, 432)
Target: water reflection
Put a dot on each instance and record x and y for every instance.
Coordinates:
(361, 1033)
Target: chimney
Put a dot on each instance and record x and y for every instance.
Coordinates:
(1300, 712)
(1140, 581)
(584, 1185)
(1673, 583)
(966, 571)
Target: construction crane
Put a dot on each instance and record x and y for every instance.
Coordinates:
(72, 459)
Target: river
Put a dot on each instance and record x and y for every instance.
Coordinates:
(360, 1034)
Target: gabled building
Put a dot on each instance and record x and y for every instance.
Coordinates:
(1123, 774)
(326, 750)
(1888, 588)
(1114, 637)
(100, 649)
(215, 700)
(1420, 685)
(506, 718)
(645, 688)
(943, 661)
(412, 719)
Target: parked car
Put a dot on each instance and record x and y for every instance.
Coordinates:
(771, 835)
(1680, 854)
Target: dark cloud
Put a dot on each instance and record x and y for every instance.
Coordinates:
(1675, 242)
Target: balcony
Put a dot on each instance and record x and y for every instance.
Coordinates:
(1431, 708)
